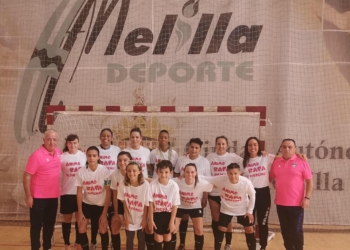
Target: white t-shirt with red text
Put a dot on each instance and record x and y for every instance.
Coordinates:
(157, 155)
(116, 178)
(202, 164)
(257, 170)
(70, 165)
(234, 197)
(190, 195)
(142, 156)
(218, 164)
(109, 157)
(164, 197)
(93, 184)
(135, 198)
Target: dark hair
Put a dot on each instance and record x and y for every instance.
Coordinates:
(109, 130)
(196, 141)
(246, 154)
(70, 137)
(193, 165)
(233, 166)
(221, 137)
(136, 130)
(287, 139)
(125, 153)
(98, 153)
(165, 164)
(140, 178)
(169, 146)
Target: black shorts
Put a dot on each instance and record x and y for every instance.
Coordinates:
(120, 207)
(92, 211)
(68, 204)
(225, 219)
(161, 219)
(193, 213)
(217, 199)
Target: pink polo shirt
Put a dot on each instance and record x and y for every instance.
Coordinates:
(45, 170)
(290, 175)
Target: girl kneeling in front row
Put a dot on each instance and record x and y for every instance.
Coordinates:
(234, 190)
(94, 202)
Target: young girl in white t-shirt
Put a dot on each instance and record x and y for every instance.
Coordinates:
(133, 191)
(218, 163)
(191, 192)
(117, 177)
(72, 160)
(164, 198)
(237, 199)
(93, 203)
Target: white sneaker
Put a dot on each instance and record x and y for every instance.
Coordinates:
(227, 247)
(93, 247)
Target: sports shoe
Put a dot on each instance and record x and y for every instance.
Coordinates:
(93, 247)
(227, 247)
(181, 247)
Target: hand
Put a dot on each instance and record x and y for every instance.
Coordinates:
(143, 224)
(171, 227)
(103, 221)
(80, 218)
(264, 153)
(181, 177)
(250, 216)
(305, 203)
(302, 156)
(29, 201)
(151, 225)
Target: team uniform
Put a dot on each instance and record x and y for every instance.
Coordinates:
(191, 196)
(142, 156)
(202, 164)
(164, 197)
(70, 165)
(117, 178)
(158, 155)
(93, 184)
(257, 170)
(218, 164)
(109, 157)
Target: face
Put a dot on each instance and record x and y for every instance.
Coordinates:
(92, 157)
(163, 139)
(164, 174)
(288, 149)
(72, 146)
(253, 147)
(195, 149)
(190, 173)
(50, 141)
(221, 146)
(233, 175)
(106, 138)
(133, 172)
(123, 161)
(135, 139)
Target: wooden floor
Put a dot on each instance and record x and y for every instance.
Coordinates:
(17, 238)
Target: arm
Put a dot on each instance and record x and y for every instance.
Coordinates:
(308, 191)
(204, 199)
(26, 185)
(115, 201)
(302, 156)
(144, 218)
(251, 204)
(151, 224)
(127, 216)
(176, 174)
(80, 215)
(103, 218)
(172, 227)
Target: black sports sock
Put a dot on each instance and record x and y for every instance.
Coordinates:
(167, 245)
(84, 242)
(251, 241)
(183, 231)
(77, 240)
(198, 242)
(173, 241)
(218, 240)
(157, 245)
(228, 236)
(104, 241)
(116, 241)
(66, 232)
(214, 226)
(149, 238)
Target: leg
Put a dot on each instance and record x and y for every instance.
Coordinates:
(228, 236)
(183, 229)
(262, 207)
(158, 241)
(116, 225)
(103, 230)
(84, 242)
(141, 240)
(198, 230)
(66, 227)
(49, 222)
(297, 234)
(224, 220)
(250, 237)
(130, 240)
(149, 239)
(215, 211)
(36, 214)
(283, 217)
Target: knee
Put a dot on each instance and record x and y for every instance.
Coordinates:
(249, 230)
(222, 229)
